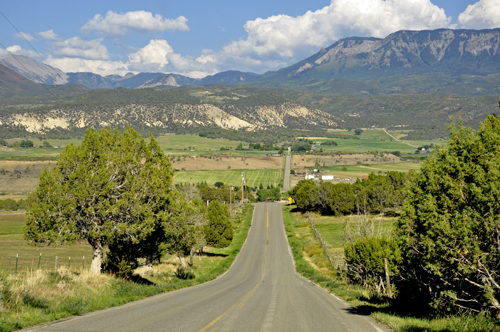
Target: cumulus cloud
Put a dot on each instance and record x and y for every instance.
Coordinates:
(100, 67)
(141, 22)
(481, 15)
(25, 36)
(16, 49)
(81, 48)
(49, 34)
(277, 39)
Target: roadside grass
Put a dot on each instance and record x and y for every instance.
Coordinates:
(312, 263)
(33, 296)
(231, 177)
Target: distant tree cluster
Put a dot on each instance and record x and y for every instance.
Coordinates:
(375, 194)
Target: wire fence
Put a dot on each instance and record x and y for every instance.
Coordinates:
(40, 262)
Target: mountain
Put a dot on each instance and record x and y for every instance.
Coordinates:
(12, 84)
(36, 71)
(92, 81)
(435, 53)
(229, 77)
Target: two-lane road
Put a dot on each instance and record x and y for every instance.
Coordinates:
(260, 292)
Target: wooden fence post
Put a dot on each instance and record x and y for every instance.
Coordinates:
(387, 279)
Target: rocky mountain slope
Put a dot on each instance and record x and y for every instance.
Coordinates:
(443, 52)
(37, 72)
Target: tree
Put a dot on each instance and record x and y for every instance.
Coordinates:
(358, 131)
(112, 188)
(449, 228)
(219, 231)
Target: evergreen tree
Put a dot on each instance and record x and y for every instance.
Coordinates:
(219, 231)
(449, 229)
(111, 189)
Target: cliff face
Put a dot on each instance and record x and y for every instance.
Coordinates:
(443, 51)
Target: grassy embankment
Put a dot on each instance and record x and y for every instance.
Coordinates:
(311, 262)
(33, 296)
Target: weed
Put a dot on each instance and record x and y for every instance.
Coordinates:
(75, 307)
(34, 302)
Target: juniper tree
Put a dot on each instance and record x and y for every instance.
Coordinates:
(449, 229)
(219, 231)
(113, 187)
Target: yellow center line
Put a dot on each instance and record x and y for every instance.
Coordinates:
(237, 302)
(215, 329)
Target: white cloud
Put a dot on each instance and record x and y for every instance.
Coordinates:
(49, 34)
(16, 49)
(141, 22)
(24, 35)
(484, 14)
(278, 39)
(81, 48)
(100, 67)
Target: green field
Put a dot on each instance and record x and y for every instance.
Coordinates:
(170, 144)
(356, 171)
(369, 141)
(231, 177)
(12, 243)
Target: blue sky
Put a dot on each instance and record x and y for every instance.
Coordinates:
(202, 37)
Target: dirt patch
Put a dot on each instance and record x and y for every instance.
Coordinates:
(227, 162)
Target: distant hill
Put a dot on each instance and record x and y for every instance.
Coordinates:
(12, 84)
(376, 66)
(36, 71)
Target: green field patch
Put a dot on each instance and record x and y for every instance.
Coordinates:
(231, 177)
(356, 171)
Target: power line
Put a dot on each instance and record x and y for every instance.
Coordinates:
(28, 71)
(44, 61)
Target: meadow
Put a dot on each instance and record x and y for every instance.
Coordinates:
(231, 177)
(358, 171)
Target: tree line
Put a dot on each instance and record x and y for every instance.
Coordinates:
(375, 194)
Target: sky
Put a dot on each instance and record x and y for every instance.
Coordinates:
(197, 38)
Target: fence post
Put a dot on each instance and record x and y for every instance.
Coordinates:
(69, 263)
(83, 263)
(388, 280)
(39, 259)
(17, 258)
(56, 264)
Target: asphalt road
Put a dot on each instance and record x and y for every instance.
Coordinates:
(260, 292)
(286, 181)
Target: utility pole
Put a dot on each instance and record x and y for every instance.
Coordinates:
(191, 188)
(242, 188)
(231, 199)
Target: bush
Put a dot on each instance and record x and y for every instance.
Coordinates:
(184, 273)
(365, 260)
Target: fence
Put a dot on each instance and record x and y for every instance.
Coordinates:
(337, 263)
(20, 263)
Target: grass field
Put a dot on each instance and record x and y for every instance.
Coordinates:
(231, 177)
(171, 144)
(357, 171)
(369, 141)
(12, 243)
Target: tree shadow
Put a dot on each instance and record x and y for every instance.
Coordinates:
(211, 254)
(136, 278)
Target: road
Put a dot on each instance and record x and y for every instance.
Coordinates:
(260, 292)
(286, 181)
